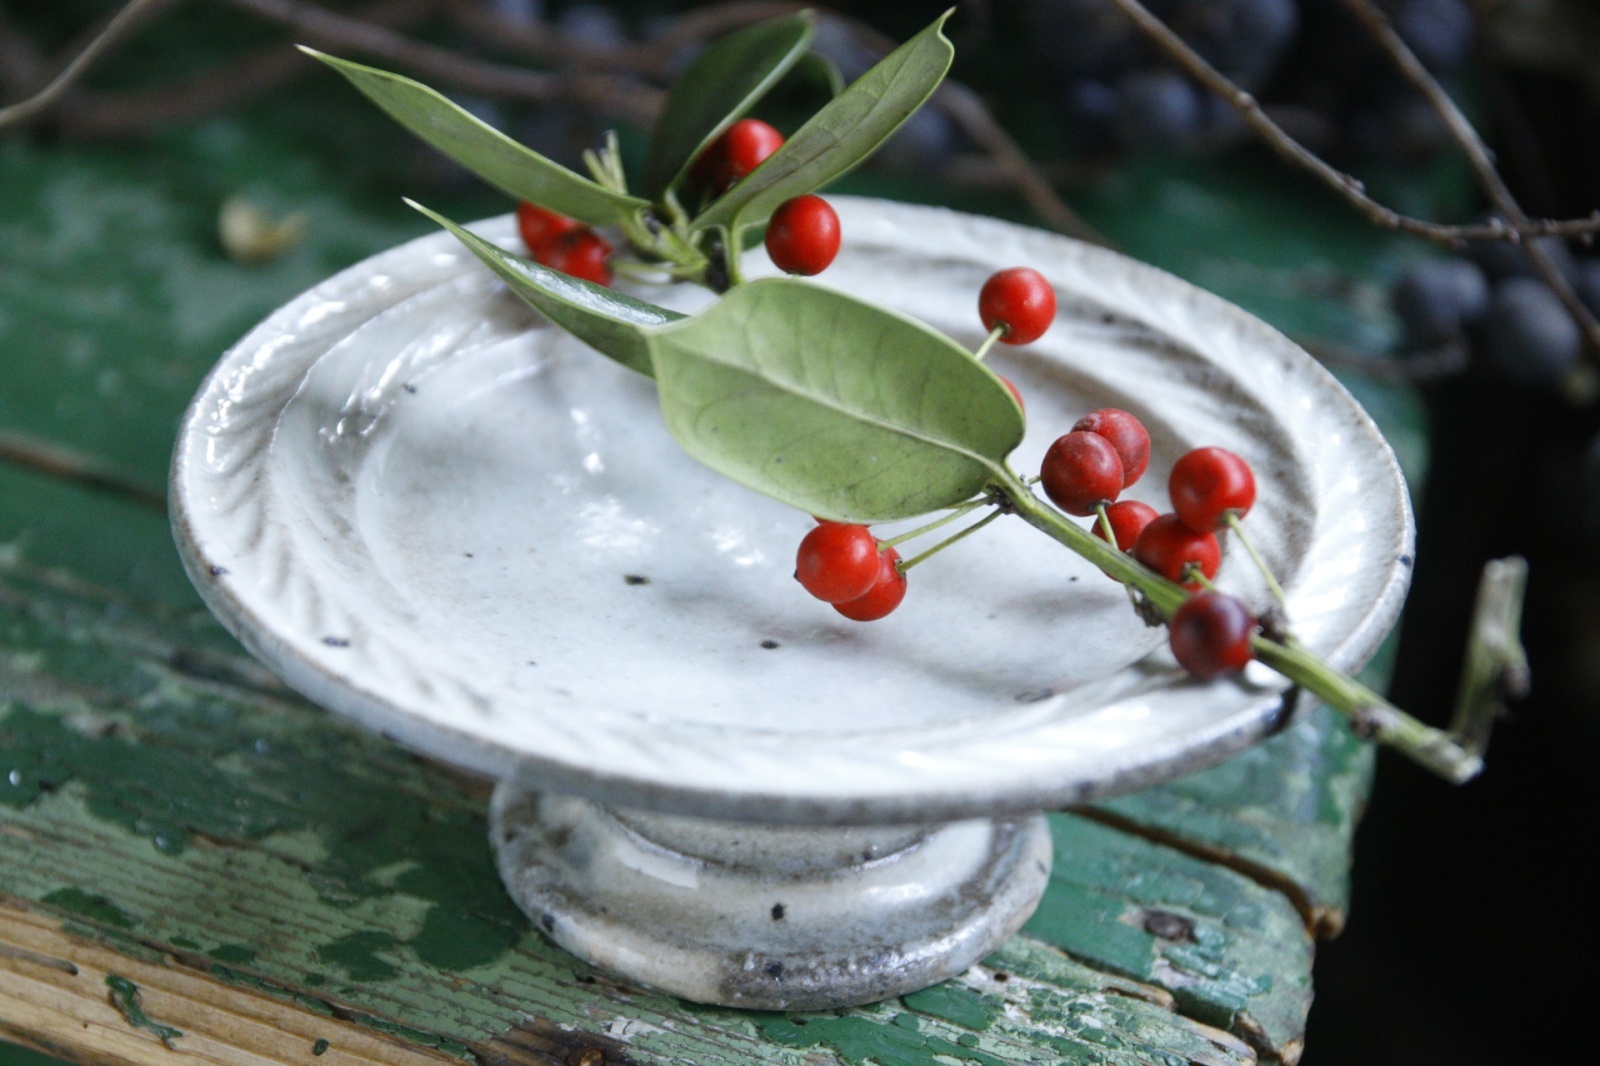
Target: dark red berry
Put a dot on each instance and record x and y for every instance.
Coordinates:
(540, 225)
(1167, 546)
(743, 148)
(1128, 519)
(885, 595)
(837, 562)
(1080, 472)
(705, 171)
(1209, 483)
(581, 253)
(1126, 434)
(803, 236)
(1016, 392)
(1210, 635)
(1021, 300)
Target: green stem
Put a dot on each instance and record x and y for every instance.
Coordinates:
(955, 513)
(1370, 714)
(988, 342)
(943, 544)
(732, 246)
(1261, 564)
(1105, 526)
(1164, 595)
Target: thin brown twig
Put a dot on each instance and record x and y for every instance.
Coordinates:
(85, 115)
(1344, 184)
(1445, 361)
(65, 464)
(626, 98)
(132, 16)
(1477, 153)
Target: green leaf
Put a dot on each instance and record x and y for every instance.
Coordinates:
(519, 172)
(808, 87)
(832, 405)
(842, 134)
(609, 322)
(720, 85)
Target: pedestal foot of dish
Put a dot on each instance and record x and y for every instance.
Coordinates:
(770, 917)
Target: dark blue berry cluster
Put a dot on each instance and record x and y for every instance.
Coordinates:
(1490, 300)
(1309, 60)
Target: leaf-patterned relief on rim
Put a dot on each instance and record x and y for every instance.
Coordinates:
(1188, 363)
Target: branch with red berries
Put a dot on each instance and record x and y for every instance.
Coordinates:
(743, 391)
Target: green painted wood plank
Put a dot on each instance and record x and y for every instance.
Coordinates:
(1284, 812)
(1234, 953)
(164, 795)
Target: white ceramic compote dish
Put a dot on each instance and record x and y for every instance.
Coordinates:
(430, 510)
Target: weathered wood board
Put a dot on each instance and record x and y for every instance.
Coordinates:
(163, 799)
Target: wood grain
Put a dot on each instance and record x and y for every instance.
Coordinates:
(54, 997)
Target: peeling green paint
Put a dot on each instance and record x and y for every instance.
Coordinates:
(361, 887)
(95, 908)
(233, 954)
(958, 1004)
(319, 1047)
(355, 953)
(1232, 953)
(169, 790)
(125, 997)
(858, 1041)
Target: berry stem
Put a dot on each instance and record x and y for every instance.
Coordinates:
(1105, 525)
(732, 245)
(943, 544)
(1255, 556)
(988, 342)
(1193, 573)
(955, 513)
(1369, 713)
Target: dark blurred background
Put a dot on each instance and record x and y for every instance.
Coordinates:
(1471, 918)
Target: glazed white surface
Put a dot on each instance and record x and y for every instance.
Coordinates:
(421, 505)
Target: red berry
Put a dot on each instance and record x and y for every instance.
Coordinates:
(1016, 392)
(1128, 519)
(743, 148)
(885, 595)
(803, 236)
(1209, 483)
(581, 253)
(837, 562)
(1080, 472)
(705, 171)
(1167, 546)
(1210, 635)
(1021, 300)
(540, 225)
(1126, 434)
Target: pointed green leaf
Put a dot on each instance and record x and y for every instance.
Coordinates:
(609, 322)
(519, 172)
(842, 134)
(720, 85)
(835, 406)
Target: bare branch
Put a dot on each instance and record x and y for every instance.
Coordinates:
(88, 115)
(56, 461)
(135, 14)
(627, 99)
(1447, 360)
(1478, 154)
(1344, 184)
